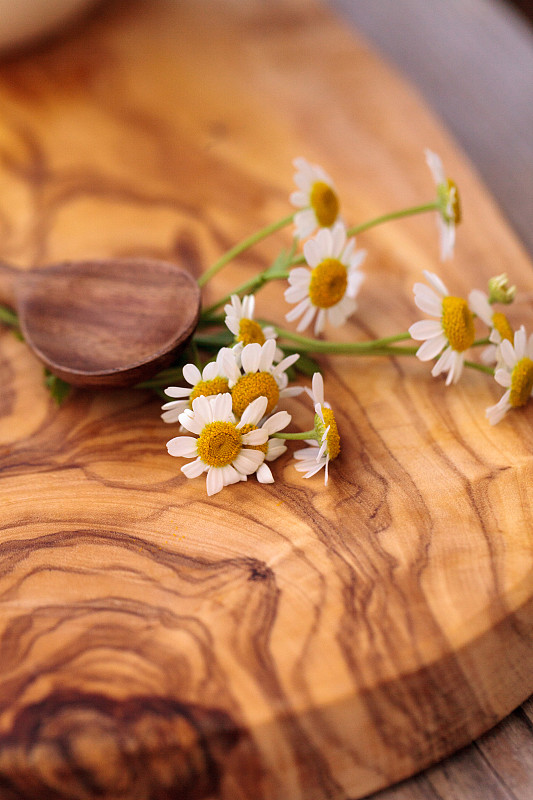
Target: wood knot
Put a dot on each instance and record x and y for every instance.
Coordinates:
(87, 745)
(260, 572)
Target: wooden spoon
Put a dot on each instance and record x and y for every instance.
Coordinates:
(113, 322)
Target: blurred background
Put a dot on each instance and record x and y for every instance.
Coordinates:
(473, 64)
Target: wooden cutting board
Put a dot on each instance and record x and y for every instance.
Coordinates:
(281, 642)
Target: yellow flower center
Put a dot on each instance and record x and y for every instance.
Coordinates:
(207, 388)
(456, 205)
(324, 203)
(328, 283)
(458, 323)
(501, 324)
(443, 193)
(333, 438)
(521, 382)
(262, 447)
(251, 386)
(250, 332)
(219, 443)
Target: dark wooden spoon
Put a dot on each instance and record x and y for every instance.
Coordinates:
(113, 322)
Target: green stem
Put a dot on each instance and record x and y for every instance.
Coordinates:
(372, 223)
(362, 348)
(242, 246)
(305, 435)
(167, 377)
(479, 367)
(222, 339)
(404, 212)
(248, 287)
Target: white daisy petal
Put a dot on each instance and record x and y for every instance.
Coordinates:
(210, 371)
(202, 408)
(503, 377)
(276, 422)
(298, 310)
(337, 315)
(253, 412)
(291, 391)
(497, 412)
(266, 356)
(436, 282)
(313, 252)
(276, 448)
(192, 374)
(173, 414)
(479, 303)
(254, 438)
(193, 469)
(251, 357)
(529, 349)
(355, 281)
(264, 474)
(425, 329)
(182, 447)
(338, 239)
(520, 343)
(229, 475)
(191, 422)
(294, 294)
(508, 354)
(248, 460)
(283, 365)
(320, 322)
(299, 198)
(305, 222)
(307, 453)
(431, 347)
(306, 318)
(447, 239)
(435, 165)
(214, 481)
(300, 276)
(427, 300)
(221, 407)
(317, 385)
(177, 391)
(444, 363)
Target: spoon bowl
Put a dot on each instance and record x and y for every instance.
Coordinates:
(101, 323)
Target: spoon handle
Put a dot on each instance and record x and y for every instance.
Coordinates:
(8, 280)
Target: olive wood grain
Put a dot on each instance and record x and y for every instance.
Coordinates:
(113, 322)
(283, 642)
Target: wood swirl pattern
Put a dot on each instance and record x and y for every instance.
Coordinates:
(285, 642)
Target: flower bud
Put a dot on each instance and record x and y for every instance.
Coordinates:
(500, 291)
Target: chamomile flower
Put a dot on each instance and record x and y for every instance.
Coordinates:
(326, 445)
(316, 196)
(229, 451)
(495, 320)
(212, 380)
(328, 285)
(241, 323)
(449, 214)
(450, 335)
(516, 375)
(253, 374)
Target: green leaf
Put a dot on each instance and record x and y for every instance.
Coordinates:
(8, 317)
(58, 388)
(307, 365)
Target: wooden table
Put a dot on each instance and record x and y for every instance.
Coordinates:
(484, 51)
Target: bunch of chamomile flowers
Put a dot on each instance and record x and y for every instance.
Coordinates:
(229, 410)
